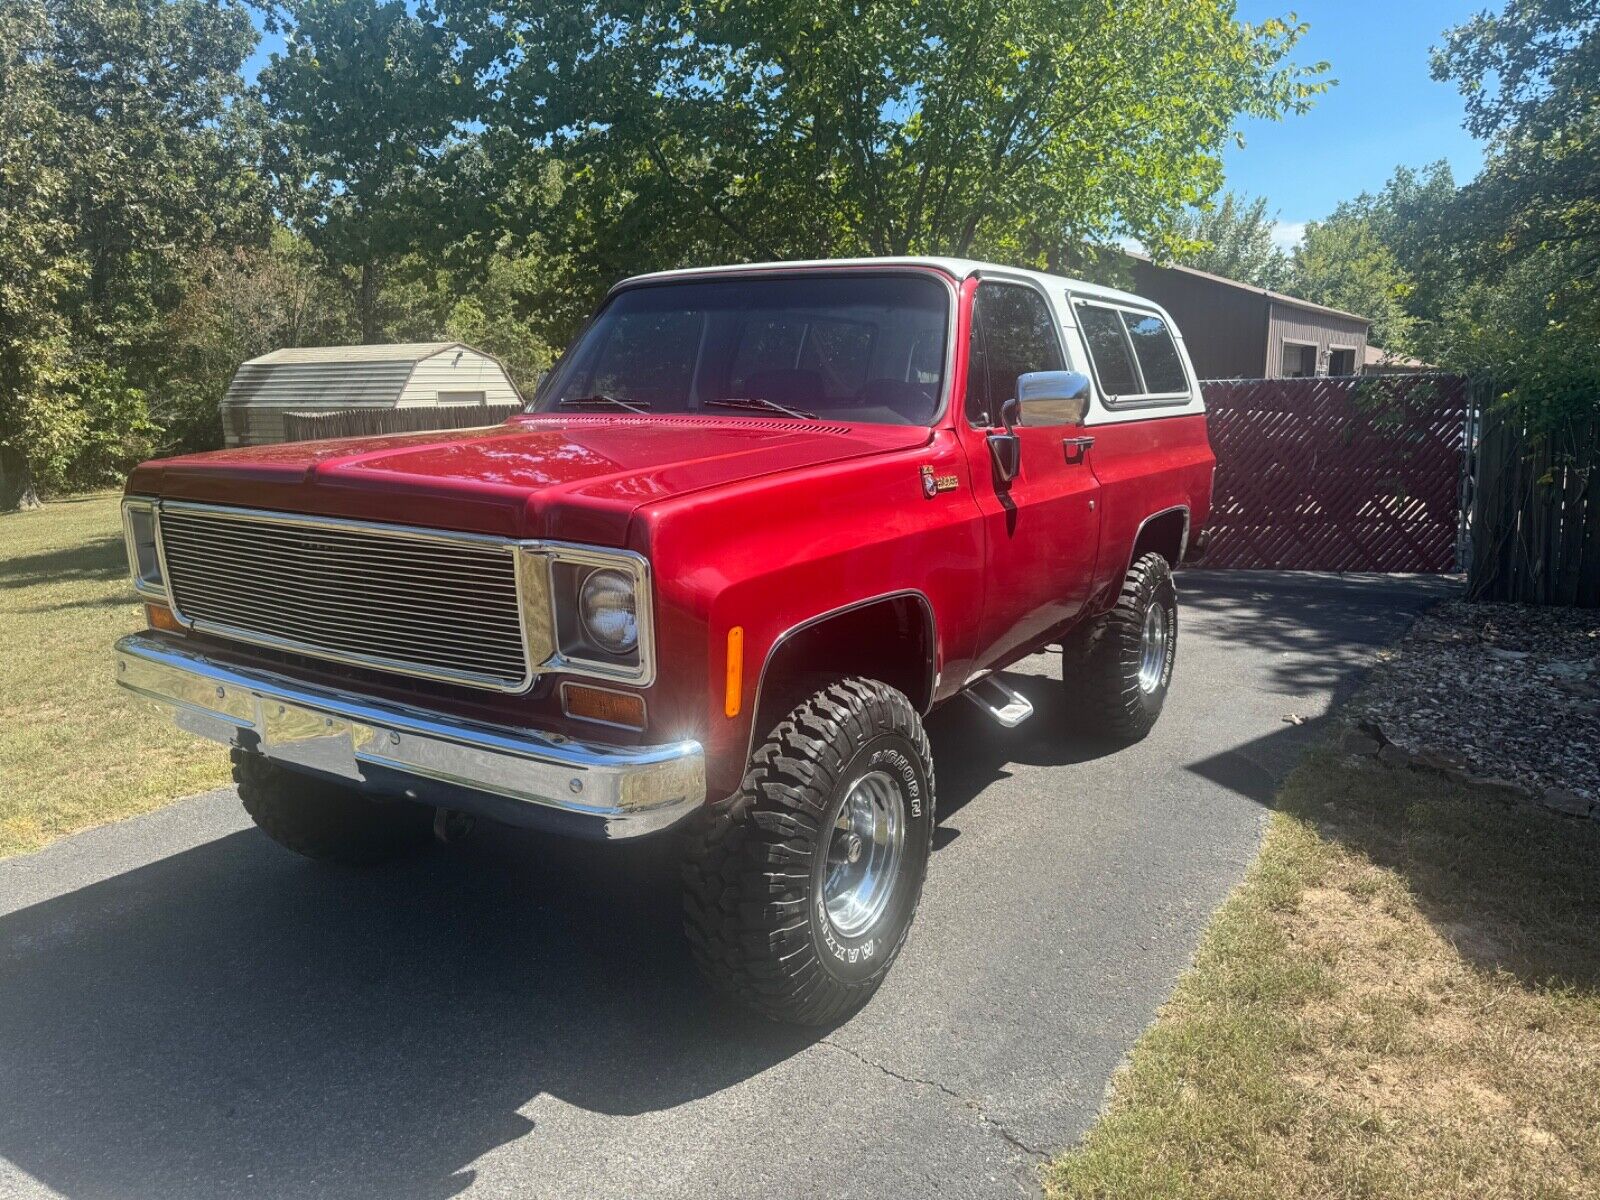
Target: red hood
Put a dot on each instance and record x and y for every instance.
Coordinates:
(575, 478)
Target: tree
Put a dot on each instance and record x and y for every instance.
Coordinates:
(125, 144)
(239, 302)
(1413, 217)
(1232, 239)
(367, 97)
(1528, 227)
(1343, 264)
(1009, 128)
(37, 264)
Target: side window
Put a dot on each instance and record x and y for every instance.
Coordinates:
(1157, 354)
(1019, 335)
(1108, 347)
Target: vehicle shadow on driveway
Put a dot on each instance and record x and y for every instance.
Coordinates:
(232, 1019)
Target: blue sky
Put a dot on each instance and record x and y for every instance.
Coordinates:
(1386, 110)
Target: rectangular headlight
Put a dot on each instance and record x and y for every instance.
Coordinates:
(144, 559)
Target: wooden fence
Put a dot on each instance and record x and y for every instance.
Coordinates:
(1536, 514)
(1346, 474)
(364, 422)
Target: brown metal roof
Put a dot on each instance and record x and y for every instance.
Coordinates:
(1275, 297)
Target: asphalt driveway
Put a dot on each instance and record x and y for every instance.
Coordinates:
(188, 1011)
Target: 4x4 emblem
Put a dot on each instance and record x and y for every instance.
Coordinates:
(933, 484)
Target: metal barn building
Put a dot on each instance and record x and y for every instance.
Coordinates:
(1236, 330)
(328, 378)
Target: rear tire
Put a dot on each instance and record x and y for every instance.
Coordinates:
(800, 889)
(323, 820)
(1116, 670)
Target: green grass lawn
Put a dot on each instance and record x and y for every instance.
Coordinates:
(75, 750)
(1401, 1000)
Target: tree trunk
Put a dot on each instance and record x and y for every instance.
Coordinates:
(16, 482)
(367, 302)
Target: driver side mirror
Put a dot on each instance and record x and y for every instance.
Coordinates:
(1059, 397)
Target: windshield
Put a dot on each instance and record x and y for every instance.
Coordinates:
(838, 346)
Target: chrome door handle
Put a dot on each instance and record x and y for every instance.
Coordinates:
(1079, 444)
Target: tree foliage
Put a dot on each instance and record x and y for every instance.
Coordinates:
(366, 98)
(1529, 225)
(1009, 128)
(126, 142)
(1233, 238)
(485, 172)
(1344, 264)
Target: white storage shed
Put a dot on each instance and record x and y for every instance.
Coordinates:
(329, 378)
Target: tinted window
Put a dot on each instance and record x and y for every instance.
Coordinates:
(867, 348)
(1158, 356)
(1018, 335)
(647, 356)
(1108, 347)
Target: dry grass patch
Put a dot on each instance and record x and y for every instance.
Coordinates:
(75, 750)
(1402, 999)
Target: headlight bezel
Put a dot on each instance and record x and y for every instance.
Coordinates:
(573, 650)
(142, 540)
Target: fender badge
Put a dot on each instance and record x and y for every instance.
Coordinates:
(933, 484)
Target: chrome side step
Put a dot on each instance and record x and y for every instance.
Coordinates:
(1006, 705)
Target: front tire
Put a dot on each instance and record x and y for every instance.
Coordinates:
(800, 889)
(1116, 671)
(323, 820)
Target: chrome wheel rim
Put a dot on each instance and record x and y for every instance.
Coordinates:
(864, 851)
(1153, 640)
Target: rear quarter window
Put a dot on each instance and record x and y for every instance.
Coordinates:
(1157, 354)
(1108, 349)
(1134, 354)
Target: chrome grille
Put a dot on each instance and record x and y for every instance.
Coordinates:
(440, 606)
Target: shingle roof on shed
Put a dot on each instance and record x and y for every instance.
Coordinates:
(330, 376)
(408, 352)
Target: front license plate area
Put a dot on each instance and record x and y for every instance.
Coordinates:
(307, 737)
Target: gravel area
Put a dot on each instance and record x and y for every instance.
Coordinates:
(1499, 692)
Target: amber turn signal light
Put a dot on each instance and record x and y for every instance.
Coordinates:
(733, 687)
(159, 616)
(602, 704)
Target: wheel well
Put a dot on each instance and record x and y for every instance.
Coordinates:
(891, 640)
(1164, 535)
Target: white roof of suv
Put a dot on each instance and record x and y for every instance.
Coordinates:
(960, 268)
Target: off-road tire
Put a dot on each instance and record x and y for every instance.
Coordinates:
(1100, 663)
(323, 820)
(753, 864)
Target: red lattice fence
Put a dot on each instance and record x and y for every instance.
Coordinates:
(1357, 474)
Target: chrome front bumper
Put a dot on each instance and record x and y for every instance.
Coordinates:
(519, 776)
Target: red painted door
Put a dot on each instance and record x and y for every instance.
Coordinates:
(1042, 527)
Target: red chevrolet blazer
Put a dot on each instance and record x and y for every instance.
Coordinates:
(755, 525)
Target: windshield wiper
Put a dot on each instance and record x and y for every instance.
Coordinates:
(633, 406)
(755, 402)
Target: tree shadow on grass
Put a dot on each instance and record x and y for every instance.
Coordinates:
(95, 560)
(1514, 887)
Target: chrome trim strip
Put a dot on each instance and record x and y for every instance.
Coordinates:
(777, 644)
(540, 642)
(614, 791)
